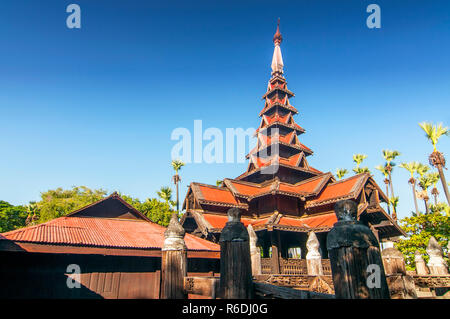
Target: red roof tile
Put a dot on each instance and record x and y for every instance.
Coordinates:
(339, 189)
(102, 232)
(213, 194)
(328, 220)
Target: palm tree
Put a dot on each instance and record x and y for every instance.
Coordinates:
(384, 171)
(434, 177)
(389, 156)
(358, 159)
(425, 182)
(31, 210)
(437, 159)
(422, 169)
(177, 165)
(411, 167)
(165, 193)
(341, 172)
(394, 202)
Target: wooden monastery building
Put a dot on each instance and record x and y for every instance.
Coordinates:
(117, 250)
(280, 194)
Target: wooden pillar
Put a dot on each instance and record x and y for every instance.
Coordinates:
(436, 263)
(235, 264)
(401, 286)
(313, 257)
(355, 258)
(275, 258)
(421, 267)
(173, 261)
(255, 253)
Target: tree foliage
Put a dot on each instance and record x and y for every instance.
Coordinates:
(419, 229)
(60, 202)
(11, 217)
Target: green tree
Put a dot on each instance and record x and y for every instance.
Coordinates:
(437, 159)
(411, 167)
(389, 156)
(425, 182)
(165, 193)
(394, 202)
(11, 217)
(419, 229)
(158, 212)
(434, 178)
(341, 172)
(177, 165)
(59, 202)
(358, 159)
(385, 173)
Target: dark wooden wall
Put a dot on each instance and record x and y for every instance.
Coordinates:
(35, 275)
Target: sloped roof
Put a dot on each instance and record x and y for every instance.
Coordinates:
(339, 190)
(101, 232)
(312, 222)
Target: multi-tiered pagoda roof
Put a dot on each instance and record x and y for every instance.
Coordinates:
(279, 189)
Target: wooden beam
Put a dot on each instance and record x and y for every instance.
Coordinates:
(267, 291)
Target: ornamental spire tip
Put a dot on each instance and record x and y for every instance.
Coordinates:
(277, 38)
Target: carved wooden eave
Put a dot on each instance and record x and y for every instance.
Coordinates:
(388, 219)
(278, 88)
(249, 173)
(299, 147)
(294, 126)
(269, 106)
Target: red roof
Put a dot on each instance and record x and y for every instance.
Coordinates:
(219, 221)
(340, 188)
(214, 194)
(328, 220)
(102, 232)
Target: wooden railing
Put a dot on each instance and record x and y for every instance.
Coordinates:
(266, 266)
(292, 266)
(326, 267)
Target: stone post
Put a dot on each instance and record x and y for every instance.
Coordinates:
(313, 257)
(173, 261)
(235, 264)
(436, 263)
(254, 252)
(401, 285)
(355, 258)
(421, 267)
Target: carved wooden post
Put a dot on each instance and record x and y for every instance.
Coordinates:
(355, 258)
(174, 261)
(235, 264)
(421, 267)
(436, 263)
(313, 257)
(401, 286)
(275, 258)
(254, 252)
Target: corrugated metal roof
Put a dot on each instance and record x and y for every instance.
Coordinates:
(102, 232)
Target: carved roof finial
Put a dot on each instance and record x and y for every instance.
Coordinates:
(277, 38)
(277, 59)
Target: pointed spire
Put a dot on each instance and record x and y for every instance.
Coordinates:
(277, 38)
(277, 60)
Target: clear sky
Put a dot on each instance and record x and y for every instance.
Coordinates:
(96, 106)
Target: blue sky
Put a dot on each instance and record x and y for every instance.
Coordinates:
(96, 106)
